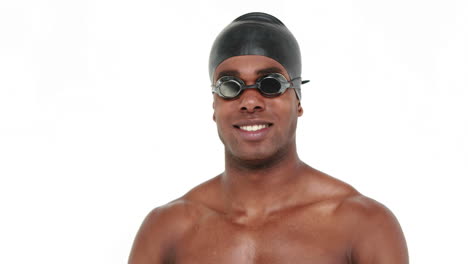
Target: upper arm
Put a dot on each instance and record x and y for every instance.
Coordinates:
(378, 239)
(156, 238)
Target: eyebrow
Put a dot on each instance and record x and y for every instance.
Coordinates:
(259, 72)
(269, 70)
(228, 73)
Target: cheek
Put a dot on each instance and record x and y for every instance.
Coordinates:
(221, 117)
(287, 115)
(217, 110)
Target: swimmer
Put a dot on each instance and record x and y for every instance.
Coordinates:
(267, 206)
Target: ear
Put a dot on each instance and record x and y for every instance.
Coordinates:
(214, 117)
(300, 111)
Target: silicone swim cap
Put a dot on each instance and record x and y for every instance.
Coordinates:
(257, 34)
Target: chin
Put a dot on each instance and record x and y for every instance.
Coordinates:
(256, 157)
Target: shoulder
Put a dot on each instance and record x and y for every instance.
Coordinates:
(363, 208)
(160, 230)
(165, 216)
(372, 231)
(166, 225)
(375, 233)
(348, 202)
(179, 215)
(350, 206)
(327, 189)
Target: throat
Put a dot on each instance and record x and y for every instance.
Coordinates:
(277, 160)
(251, 199)
(253, 190)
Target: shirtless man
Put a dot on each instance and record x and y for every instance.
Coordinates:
(267, 206)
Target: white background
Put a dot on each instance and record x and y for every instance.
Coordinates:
(105, 113)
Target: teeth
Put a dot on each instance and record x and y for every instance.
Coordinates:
(253, 128)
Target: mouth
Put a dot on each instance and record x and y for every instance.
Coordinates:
(253, 130)
(253, 127)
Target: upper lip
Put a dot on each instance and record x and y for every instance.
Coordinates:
(251, 122)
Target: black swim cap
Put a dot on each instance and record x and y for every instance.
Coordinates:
(257, 34)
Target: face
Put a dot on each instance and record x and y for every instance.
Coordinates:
(253, 127)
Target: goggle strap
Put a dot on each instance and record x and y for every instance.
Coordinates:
(296, 82)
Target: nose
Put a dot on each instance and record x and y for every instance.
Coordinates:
(251, 101)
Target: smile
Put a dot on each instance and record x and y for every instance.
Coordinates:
(252, 128)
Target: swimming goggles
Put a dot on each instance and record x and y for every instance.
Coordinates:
(270, 85)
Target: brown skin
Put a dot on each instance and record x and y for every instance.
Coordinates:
(267, 206)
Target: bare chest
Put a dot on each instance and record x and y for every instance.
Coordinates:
(285, 239)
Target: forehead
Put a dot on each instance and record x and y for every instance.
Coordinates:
(249, 65)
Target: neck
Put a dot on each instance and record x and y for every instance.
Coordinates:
(255, 189)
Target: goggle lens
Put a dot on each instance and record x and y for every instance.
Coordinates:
(270, 86)
(230, 89)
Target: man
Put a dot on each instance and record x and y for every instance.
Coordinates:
(267, 206)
